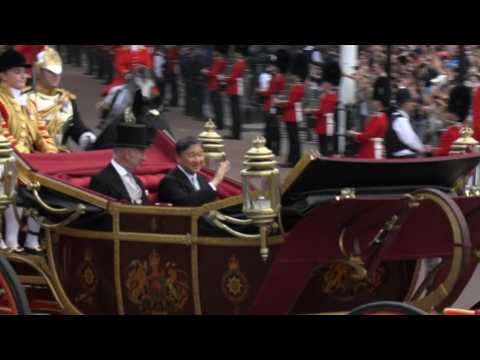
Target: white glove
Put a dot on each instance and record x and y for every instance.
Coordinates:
(87, 139)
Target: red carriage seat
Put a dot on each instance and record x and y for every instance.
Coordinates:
(77, 169)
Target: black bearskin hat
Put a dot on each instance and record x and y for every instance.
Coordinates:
(242, 49)
(283, 60)
(381, 90)
(300, 66)
(222, 49)
(332, 73)
(10, 59)
(459, 102)
(403, 96)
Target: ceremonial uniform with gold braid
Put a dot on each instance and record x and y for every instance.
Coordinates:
(22, 124)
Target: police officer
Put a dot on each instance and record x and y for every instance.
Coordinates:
(56, 106)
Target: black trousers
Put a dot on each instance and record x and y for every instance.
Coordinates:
(236, 116)
(171, 81)
(188, 97)
(294, 143)
(217, 105)
(272, 133)
(326, 145)
(198, 99)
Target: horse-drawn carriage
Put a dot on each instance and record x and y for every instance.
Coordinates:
(336, 234)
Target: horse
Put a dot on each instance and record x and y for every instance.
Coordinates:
(136, 95)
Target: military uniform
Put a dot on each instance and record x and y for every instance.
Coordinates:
(22, 125)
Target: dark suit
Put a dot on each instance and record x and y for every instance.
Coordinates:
(108, 182)
(177, 189)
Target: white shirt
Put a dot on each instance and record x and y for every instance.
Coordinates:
(20, 98)
(134, 190)
(407, 135)
(194, 179)
(264, 81)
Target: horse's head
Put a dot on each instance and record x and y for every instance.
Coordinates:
(143, 79)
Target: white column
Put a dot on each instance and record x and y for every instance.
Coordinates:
(348, 62)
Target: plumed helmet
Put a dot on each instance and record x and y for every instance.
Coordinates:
(49, 59)
(10, 59)
(460, 101)
(300, 65)
(332, 72)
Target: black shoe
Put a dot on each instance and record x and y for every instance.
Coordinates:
(37, 251)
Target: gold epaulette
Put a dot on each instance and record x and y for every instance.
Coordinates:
(66, 93)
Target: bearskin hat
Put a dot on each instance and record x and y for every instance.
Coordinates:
(459, 102)
(242, 49)
(381, 90)
(283, 60)
(222, 49)
(300, 66)
(332, 72)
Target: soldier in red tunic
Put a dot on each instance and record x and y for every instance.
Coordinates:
(127, 58)
(476, 109)
(213, 84)
(236, 88)
(458, 108)
(377, 125)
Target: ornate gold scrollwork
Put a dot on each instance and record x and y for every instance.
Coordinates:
(74, 212)
(354, 261)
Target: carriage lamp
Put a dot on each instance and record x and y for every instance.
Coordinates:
(466, 143)
(212, 143)
(8, 177)
(8, 174)
(261, 197)
(261, 191)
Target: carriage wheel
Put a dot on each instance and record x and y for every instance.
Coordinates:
(449, 282)
(387, 308)
(13, 300)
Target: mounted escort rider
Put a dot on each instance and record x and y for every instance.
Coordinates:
(21, 124)
(57, 107)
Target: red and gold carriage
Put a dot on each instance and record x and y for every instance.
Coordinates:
(338, 233)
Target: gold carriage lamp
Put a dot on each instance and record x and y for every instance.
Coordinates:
(261, 197)
(8, 174)
(212, 143)
(470, 185)
(261, 191)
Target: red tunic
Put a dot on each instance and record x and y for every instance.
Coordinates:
(476, 114)
(328, 104)
(277, 85)
(447, 139)
(376, 127)
(295, 96)
(217, 68)
(172, 58)
(125, 62)
(238, 70)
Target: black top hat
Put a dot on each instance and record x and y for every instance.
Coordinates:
(332, 73)
(403, 96)
(242, 49)
(10, 59)
(300, 66)
(459, 102)
(131, 136)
